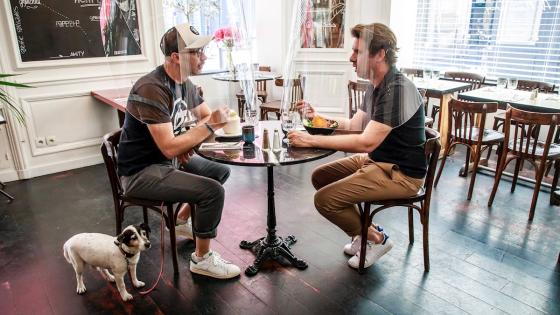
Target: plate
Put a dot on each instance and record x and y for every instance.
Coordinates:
(221, 133)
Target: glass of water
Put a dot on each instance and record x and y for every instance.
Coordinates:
(436, 74)
(512, 83)
(501, 83)
(427, 74)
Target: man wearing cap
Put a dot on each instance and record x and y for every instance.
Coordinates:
(161, 106)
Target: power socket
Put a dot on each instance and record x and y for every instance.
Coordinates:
(40, 142)
(51, 140)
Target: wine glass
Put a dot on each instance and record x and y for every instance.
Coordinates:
(512, 83)
(436, 74)
(427, 74)
(287, 123)
(501, 83)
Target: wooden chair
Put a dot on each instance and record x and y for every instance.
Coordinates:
(476, 81)
(109, 151)
(413, 71)
(356, 93)
(296, 94)
(465, 120)
(261, 93)
(420, 202)
(525, 85)
(522, 146)
(428, 121)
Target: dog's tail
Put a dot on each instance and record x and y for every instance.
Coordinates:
(65, 251)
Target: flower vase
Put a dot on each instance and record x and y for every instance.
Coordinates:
(229, 61)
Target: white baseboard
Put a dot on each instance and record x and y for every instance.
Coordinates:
(8, 175)
(61, 166)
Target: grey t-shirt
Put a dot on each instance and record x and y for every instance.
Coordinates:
(397, 104)
(155, 98)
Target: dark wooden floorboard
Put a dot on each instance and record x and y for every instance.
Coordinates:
(483, 260)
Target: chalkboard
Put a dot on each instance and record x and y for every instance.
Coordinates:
(68, 29)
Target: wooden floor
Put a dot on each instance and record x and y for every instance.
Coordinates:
(483, 261)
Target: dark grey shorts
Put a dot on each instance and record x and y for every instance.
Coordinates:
(199, 182)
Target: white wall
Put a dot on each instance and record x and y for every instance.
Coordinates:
(60, 105)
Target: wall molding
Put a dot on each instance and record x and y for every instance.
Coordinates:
(60, 166)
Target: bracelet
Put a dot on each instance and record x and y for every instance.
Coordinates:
(209, 128)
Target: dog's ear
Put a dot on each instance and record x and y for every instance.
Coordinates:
(145, 227)
(124, 237)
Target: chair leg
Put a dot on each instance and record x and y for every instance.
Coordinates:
(410, 226)
(553, 200)
(473, 176)
(364, 216)
(119, 214)
(515, 174)
(465, 172)
(425, 241)
(446, 152)
(172, 236)
(496, 126)
(6, 194)
(145, 214)
(498, 177)
(538, 181)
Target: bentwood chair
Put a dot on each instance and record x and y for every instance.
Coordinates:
(109, 150)
(524, 85)
(296, 94)
(466, 127)
(476, 81)
(260, 90)
(520, 145)
(356, 93)
(420, 202)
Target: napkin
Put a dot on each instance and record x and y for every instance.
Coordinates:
(213, 146)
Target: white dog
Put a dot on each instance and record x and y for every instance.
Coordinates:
(106, 252)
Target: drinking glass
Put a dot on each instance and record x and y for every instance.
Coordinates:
(512, 84)
(436, 74)
(287, 123)
(501, 83)
(427, 74)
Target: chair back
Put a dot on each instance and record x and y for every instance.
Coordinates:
(419, 73)
(476, 80)
(466, 120)
(261, 85)
(431, 149)
(520, 142)
(109, 149)
(296, 92)
(528, 85)
(356, 93)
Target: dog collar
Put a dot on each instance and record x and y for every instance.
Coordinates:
(125, 253)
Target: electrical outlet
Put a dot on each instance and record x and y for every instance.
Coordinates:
(40, 142)
(51, 140)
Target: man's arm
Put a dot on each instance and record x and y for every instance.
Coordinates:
(374, 134)
(202, 112)
(171, 145)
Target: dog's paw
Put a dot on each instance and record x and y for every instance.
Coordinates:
(126, 297)
(81, 289)
(139, 284)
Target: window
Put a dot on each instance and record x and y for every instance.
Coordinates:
(497, 38)
(207, 16)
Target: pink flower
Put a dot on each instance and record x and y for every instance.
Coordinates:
(227, 34)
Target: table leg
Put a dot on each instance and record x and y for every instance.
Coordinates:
(443, 122)
(271, 247)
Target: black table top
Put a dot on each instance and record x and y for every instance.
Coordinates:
(253, 155)
(544, 103)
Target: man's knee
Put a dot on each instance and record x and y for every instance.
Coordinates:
(224, 174)
(316, 177)
(323, 201)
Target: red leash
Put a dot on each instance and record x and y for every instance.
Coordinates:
(162, 252)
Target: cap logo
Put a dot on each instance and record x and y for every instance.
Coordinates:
(194, 31)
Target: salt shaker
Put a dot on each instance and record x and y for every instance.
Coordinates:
(276, 142)
(534, 94)
(265, 140)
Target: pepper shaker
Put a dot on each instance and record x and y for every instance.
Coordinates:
(265, 140)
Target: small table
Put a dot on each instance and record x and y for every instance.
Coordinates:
(257, 76)
(544, 103)
(270, 247)
(444, 90)
(2, 122)
(116, 98)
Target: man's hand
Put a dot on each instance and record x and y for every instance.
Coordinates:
(218, 118)
(185, 157)
(305, 109)
(300, 139)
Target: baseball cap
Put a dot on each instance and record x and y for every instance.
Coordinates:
(182, 37)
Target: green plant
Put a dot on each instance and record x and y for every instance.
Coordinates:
(7, 99)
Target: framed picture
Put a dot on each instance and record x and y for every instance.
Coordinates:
(48, 30)
(323, 23)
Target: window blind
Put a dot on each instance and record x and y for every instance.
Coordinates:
(495, 38)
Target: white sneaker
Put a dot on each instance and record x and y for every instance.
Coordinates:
(353, 247)
(212, 265)
(373, 252)
(184, 230)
